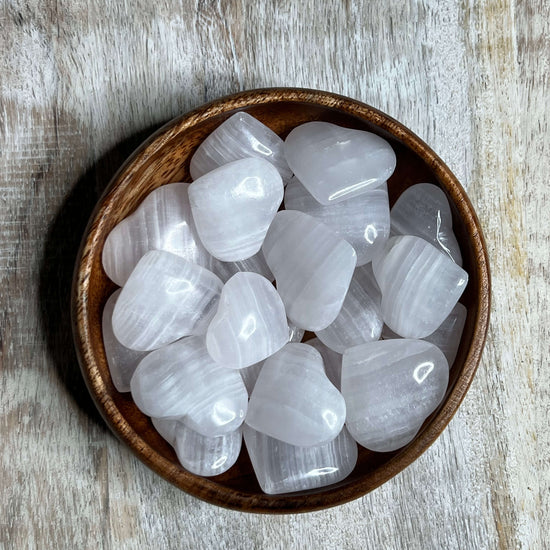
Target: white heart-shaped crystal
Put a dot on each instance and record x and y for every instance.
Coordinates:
(284, 468)
(420, 285)
(294, 401)
(447, 337)
(312, 267)
(363, 221)
(336, 163)
(233, 206)
(390, 388)
(358, 322)
(423, 210)
(162, 221)
(182, 381)
(240, 136)
(198, 454)
(331, 360)
(122, 361)
(164, 299)
(250, 323)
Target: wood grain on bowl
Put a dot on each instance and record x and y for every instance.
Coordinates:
(164, 158)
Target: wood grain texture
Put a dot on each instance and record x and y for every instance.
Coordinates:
(83, 83)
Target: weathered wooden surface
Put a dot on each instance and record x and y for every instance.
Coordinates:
(82, 83)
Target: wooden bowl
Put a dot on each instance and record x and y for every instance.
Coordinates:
(164, 158)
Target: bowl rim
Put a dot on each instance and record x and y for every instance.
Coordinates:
(207, 489)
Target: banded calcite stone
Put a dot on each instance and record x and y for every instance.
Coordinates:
(336, 163)
(165, 298)
(447, 337)
(122, 361)
(363, 221)
(162, 221)
(423, 210)
(364, 275)
(331, 360)
(358, 322)
(284, 468)
(250, 323)
(233, 206)
(390, 388)
(254, 264)
(312, 267)
(240, 136)
(420, 285)
(182, 381)
(294, 401)
(200, 455)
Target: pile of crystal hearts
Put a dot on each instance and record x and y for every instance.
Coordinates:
(210, 347)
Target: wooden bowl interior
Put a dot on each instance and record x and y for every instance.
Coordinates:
(165, 159)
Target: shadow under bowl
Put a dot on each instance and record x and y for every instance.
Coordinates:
(164, 158)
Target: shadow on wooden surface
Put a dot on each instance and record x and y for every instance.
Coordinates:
(57, 265)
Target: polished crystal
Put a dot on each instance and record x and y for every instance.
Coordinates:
(240, 136)
(447, 337)
(294, 401)
(358, 322)
(162, 221)
(423, 210)
(284, 468)
(390, 388)
(312, 267)
(165, 298)
(122, 361)
(363, 221)
(198, 454)
(336, 163)
(233, 206)
(182, 381)
(331, 360)
(254, 264)
(420, 285)
(250, 324)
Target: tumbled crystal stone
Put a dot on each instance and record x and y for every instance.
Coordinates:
(447, 337)
(198, 454)
(363, 221)
(226, 270)
(364, 275)
(294, 401)
(122, 361)
(284, 468)
(240, 136)
(162, 221)
(233, 206)
(331, 360)
(182, 381)
(250, 323)
(165, 298)
(358, 322)
(336, 163)
(423, 210)
(207, 456)
(420, 285)
(390, 388)
(312, 267)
